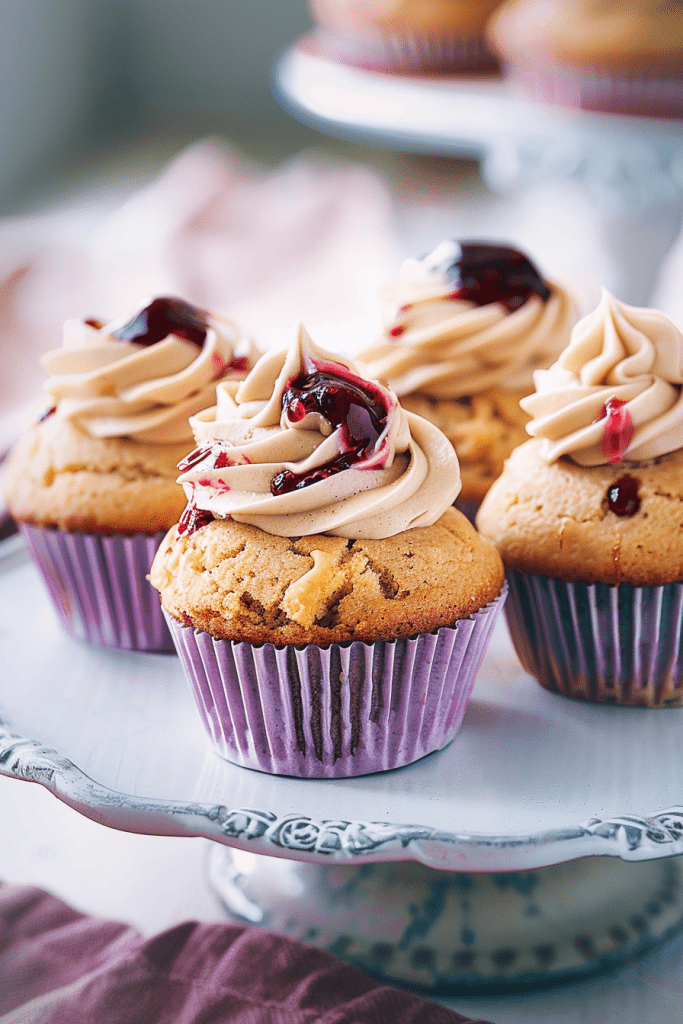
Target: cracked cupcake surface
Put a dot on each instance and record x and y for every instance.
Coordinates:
(237, 583)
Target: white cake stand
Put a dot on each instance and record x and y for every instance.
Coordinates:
(631, 168)
(406, 873)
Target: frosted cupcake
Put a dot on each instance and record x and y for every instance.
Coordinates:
(92, 484)
(587, 515)
(466, 326)
(622, 58)
(406, 35)
(329, 606)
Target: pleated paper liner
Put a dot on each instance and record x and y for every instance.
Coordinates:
(403, 53)
(611, 645)
(344, 710)
(640, 95)
(99, 587)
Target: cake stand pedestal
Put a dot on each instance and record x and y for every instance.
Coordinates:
(499, 861)
(455, 931)
(630, 168)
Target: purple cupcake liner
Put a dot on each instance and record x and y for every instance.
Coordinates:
(335, 712)
(99, 587)
(384, 51)
(595, 642)
(640, 95)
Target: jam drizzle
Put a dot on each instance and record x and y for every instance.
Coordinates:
(483, 272)
(193, 519)
(221, 458)
(358, 407)
(50, 411)
(618, 429)
(622, 496)
(164, 316)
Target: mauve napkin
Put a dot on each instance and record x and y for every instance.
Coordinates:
(59, 966)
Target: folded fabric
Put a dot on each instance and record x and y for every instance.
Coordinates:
(311, 238)
(59, 966)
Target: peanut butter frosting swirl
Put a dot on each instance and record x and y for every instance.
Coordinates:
(438, 345)
(619, 356)
(306, 445)
(142, 378)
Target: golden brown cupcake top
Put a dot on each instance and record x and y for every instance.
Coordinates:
(59, 476)
(238, 583)
(599, 524)
(632, 36)
(435, 17)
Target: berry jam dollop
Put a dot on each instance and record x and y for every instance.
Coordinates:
(483, 272)
(622, 496)
(193, 519)
(164, 316)
(357, 406)
(618, 430)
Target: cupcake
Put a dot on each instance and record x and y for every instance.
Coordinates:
(466, 326)
(92, 483)
(329, 606)
(588, 515)
(406, 35)
(624, 58)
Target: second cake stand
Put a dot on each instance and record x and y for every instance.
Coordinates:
(630, 168)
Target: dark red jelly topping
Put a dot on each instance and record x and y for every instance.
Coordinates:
(97, 324)
(46, 413)
(240, 364)
(395, 332)
(622, 496)
(483, 272)
(162, 317)
(221, 457)
(193, 519)
(618, 429)
(357, 406)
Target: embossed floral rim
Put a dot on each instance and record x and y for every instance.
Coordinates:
(298, 836)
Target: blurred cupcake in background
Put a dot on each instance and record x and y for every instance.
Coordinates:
(624, 58)
(406, 35)
(588, 516)
(330, 607)
(466, 326)
(92, 483)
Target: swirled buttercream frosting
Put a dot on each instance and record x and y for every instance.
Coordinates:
(469, 317)
(143, 377)
(615, 392)
(306, 445)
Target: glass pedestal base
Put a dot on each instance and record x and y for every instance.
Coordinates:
(446, 931)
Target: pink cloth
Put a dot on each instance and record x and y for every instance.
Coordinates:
(58, 966)
(310, 239)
